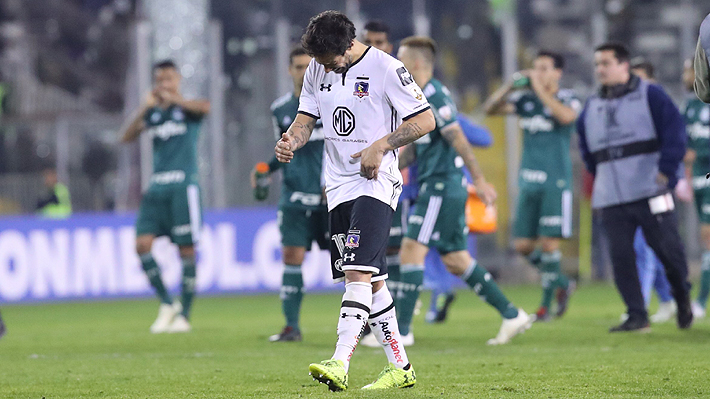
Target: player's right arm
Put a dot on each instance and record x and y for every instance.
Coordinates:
(456, 138)
(133, 127)
(295, 137)
(497, 103)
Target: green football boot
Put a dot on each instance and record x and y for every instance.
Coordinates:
(331, 373)
(393, 377)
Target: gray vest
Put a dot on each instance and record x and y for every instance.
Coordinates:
(622, 139)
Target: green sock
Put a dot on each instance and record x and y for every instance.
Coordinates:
(550, 278)
(704, 279)
(535, 258)
(153, 272)
(411, 280)
(393, 278)
(483, 284)
(292, 294)
(188, 284)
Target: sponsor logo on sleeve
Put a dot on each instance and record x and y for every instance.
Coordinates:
(404, 76)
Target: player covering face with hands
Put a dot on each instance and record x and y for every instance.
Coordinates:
(370, 106)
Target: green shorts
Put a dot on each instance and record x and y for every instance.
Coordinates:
(702, 204)
(300, 227)
(171, 210)
(439, 217)
(543, 210)
(399, 224)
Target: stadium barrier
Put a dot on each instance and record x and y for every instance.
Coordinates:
(90, 256)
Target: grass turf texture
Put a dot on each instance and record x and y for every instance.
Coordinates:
(104, 350)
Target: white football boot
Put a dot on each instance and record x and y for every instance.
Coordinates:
(511, 328)
(166, 314)
(179, 325)
(666, 311)
(698, 310)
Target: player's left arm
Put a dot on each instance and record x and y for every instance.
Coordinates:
(457, 139)
(408, 132)
(564, 114)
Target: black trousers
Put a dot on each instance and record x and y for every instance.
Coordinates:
(661, 233)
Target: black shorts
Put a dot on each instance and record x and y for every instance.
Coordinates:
(359, 232)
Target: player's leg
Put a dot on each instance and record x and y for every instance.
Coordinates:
(515, 320)
(555, 224)
(296, 239)
(702, 201)
(186, 218)
(644, 265)
(525, 226)
(667, 307)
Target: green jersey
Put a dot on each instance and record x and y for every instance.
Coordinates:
(302, 185)
(697, 121)
(546, 142)
(436, 158)
(174, 133)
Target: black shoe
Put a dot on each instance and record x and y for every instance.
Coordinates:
(442, 312)
(632, 324)
(684, 316)
(288, 334)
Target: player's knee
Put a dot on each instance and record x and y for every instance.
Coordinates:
(187, 251)
(549, 244)
(457, 262)
(524, 246)
(293, 255)
(144, 245)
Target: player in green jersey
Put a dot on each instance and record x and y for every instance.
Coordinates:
(697, 161)
(544, 210)
(171, 205)
(438, 220)
(302, 216)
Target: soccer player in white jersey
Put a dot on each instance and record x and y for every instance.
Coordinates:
(370, 106)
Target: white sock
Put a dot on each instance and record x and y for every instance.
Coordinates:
(354, 311)
(383, 323)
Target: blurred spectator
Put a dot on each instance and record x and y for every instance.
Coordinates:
(57, 203)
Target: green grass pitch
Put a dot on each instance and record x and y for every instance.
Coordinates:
(104, 350)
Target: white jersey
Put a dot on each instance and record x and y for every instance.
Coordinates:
(358, 108)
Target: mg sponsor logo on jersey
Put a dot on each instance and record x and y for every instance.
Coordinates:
(167, 130)
(533, 176)
(537, 123)
(698, 131)
(343, 121)
(170, 177)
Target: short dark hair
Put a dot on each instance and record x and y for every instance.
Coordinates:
(165, 64)
(422, 43)
(329, 32)
(621, 52)
(295, 52)
(558, 61)
(642, 63)
(377, 25)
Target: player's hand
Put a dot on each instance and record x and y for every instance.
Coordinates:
(283, 149)
(662, 179)
(485, 191)
(252, 178)
(370, 160)
(169, 97)
(535, 82)
(150, 100)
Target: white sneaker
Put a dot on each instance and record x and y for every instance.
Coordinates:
(166, 314)
(666, 311)
(698, 310)
(179, 325)
(408, 340)
(370, 341)
(511, 328)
